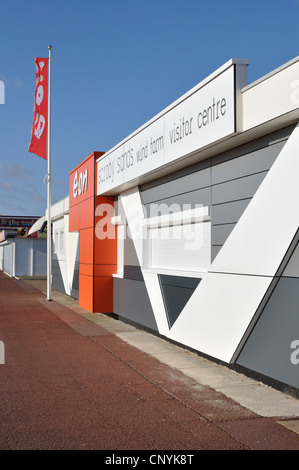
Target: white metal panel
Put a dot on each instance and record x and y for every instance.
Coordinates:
(39, 253)
(155, 295)
(24, 257)
(8, 259)
(71, 250)
(58, 227)
(134, 214)
(218, 313)
(60, 208)
(1, 257)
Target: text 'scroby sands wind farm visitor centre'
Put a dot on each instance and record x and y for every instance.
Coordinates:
(189, 227)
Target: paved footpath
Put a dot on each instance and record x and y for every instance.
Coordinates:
(68, 383)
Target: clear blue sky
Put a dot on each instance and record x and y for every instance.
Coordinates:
(115, 65)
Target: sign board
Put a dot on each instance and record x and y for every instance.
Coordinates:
(14, 222)
(203, 116)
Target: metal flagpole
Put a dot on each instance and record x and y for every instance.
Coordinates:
(49, 235)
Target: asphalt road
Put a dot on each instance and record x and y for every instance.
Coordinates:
(68, 384)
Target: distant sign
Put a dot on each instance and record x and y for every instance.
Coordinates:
(16, 222)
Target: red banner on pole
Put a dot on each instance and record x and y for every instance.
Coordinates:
(38, 143)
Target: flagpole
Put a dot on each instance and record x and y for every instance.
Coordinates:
(49, 234)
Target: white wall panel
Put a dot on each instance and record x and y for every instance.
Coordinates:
(218, 313)
(134, 214)
(1, 257)
(24, 257)
(58, 229)
(71, 248)
(39, 253)
(155, 295)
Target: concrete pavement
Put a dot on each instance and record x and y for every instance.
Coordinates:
(75, 380)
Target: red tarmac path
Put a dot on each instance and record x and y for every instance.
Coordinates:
(69, 384)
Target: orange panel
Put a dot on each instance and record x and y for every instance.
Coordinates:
(87, 213)
(105, 269)
(82, 215)
(86, 246)
(105, 251)
(74, 223)
(86, 292)
(86, 269)
(104, 200)
(103, 294)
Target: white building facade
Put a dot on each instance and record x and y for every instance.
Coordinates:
(203, 203)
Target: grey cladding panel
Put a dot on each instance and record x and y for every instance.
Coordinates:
(191, 182)
(189, 200)
(292, 268)
(254, 162)
(57, 280)
(268, 349)
(241, 188)
(220, 233)
(228, 212)
(133, 272)
(268, 140)
(131, 301)
(214, 251)
(176, 293)
(130, 255)
(202, 165)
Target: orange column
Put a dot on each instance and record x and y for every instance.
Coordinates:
(97, 246)
(105, 254)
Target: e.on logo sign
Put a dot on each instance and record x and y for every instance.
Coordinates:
(80, 183)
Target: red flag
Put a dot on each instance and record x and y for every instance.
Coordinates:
(38, 143)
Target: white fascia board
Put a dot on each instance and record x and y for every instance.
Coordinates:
(193, 90)
(270, 74)
(274, 97)
(59, 208)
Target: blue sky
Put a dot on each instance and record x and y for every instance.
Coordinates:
(115, 65)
